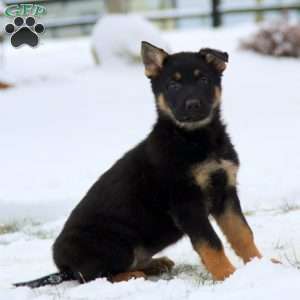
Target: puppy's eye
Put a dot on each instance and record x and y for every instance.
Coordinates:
(174, 85)
(203, 80)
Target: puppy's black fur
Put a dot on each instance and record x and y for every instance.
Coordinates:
(165, 187)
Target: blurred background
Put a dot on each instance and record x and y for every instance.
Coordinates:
(75, 17)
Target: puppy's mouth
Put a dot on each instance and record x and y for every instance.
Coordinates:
(183, 118)
(191, 118)
(193, 121)
(193, 110)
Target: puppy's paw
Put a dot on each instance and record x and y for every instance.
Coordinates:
(158, 266)
(222, 273)
(127, 276)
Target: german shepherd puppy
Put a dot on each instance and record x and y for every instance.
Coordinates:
(164, 188)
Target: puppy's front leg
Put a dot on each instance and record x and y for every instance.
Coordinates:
(192, 219)
(235, 227)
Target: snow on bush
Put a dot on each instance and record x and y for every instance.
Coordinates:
(118, 37)
(280, 39)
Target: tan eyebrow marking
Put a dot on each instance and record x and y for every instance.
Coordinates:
(177, 76)
(196, 72)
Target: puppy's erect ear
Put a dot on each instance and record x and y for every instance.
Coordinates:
(215, 57)
(153, 59)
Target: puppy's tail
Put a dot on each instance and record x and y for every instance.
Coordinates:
(52, 279)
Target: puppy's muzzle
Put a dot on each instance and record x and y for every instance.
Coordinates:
(193, 106)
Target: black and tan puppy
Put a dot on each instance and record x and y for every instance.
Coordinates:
(164, 188)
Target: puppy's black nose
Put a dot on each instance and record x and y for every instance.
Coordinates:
(192, 105)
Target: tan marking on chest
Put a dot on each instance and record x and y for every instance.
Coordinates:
(202, 172)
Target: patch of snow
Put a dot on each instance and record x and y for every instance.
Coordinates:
(118, 37)
(259, 279)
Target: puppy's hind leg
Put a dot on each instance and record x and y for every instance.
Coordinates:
(158, 266)
(89, 260)
(125, 276)
(153, 267)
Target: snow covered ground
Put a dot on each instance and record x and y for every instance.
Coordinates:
(67, 121)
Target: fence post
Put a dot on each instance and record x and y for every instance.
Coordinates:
(259, 16)
(215, 13)
(163, 4)
(174, 5)
(116, 6)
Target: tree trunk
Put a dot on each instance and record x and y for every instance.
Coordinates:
(259, 16)
(170, 4)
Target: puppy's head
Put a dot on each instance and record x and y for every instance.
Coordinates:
(187, 85)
